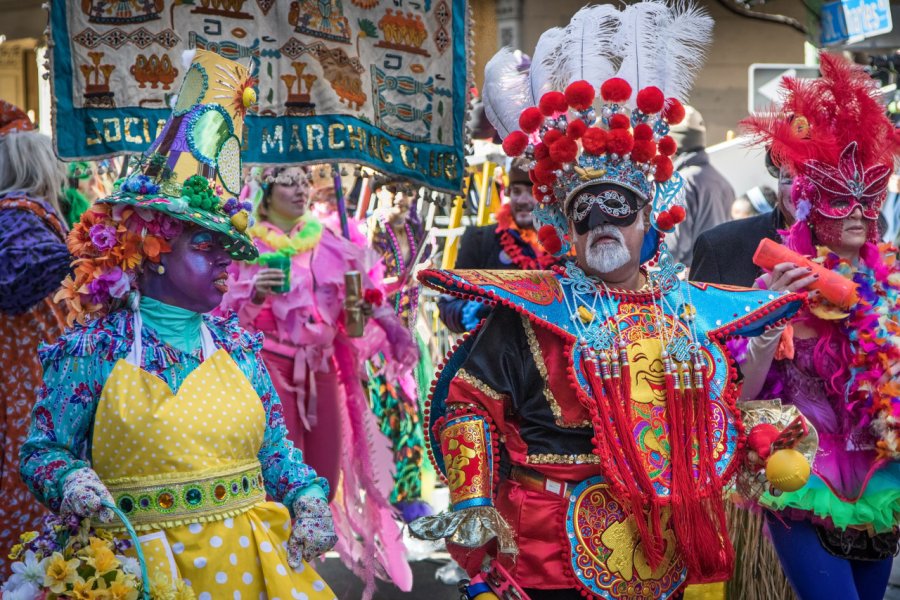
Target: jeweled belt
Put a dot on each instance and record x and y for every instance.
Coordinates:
(157, 502)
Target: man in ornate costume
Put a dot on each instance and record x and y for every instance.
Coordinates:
(587, 429)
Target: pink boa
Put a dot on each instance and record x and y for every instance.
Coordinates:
(364, 520)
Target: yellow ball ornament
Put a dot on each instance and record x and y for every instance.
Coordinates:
(487, 596)
(787, 470)
(249, 97)
(240, 220)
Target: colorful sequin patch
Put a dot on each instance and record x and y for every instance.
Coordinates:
(468, 458)
(606, 554)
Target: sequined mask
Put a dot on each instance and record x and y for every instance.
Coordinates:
(843, 188)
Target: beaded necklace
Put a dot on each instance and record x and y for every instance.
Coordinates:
(400, 264)
(873, 330)
(517, 256)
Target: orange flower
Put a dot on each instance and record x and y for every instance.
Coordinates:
(68, 292)
(79, 239)
(154, 246)
(87, 270)
(128, 250)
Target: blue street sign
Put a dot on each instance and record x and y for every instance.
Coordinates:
(850, 21)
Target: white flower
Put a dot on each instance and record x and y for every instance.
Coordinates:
(16, 588)
(130, 565)
(31, 569)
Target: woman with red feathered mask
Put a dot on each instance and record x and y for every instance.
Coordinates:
(836, 535)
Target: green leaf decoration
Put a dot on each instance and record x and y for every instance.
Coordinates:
(441, 108)
(368, 28)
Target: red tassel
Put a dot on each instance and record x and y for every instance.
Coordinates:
(627, 472)
(698, 513)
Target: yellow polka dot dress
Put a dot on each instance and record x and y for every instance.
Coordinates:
(183, 466)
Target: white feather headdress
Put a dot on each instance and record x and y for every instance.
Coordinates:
(662, 45)
(651, 43)
(506, 90)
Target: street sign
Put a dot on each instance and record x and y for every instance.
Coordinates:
(764, 87)
(850, 21)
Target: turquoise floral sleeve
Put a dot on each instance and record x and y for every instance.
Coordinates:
(58, 440)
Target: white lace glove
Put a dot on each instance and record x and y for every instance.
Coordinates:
(83, 493)
(313, 531)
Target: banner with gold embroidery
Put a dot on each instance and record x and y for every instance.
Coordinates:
(375, 82)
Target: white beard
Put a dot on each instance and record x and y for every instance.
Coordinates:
(606, 257)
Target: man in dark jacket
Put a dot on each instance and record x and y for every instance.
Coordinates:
(724, 254)
(708, 195)
(511, 243)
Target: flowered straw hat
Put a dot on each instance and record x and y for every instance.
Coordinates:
(192, 172)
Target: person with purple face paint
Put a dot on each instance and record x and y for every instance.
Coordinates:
(160, 409)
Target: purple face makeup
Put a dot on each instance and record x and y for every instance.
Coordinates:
(195, 276)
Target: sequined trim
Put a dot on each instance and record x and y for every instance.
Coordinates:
(480, 385)
(186, 498)
(542, 369)
(562, 459)
(468, 456)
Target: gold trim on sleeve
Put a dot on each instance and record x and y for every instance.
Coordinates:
(563, 459)
(481, 386)
(542, 369)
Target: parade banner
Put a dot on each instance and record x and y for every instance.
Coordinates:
(376, 82)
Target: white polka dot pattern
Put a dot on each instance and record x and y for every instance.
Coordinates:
(216, 420)
(141, 426)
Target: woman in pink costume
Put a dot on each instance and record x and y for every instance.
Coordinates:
(317, 368)
(839, 366)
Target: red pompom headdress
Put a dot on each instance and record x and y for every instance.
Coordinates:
(596, 104)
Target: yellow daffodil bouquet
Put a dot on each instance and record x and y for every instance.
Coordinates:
(68, 560)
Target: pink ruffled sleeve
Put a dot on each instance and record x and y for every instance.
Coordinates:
(240, 291)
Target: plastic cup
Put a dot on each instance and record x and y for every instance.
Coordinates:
(284, 264)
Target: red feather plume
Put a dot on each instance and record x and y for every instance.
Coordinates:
(821, 117)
